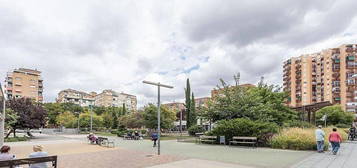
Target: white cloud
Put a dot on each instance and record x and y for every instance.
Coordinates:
(95, 45)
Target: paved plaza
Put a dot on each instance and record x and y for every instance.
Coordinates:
(74, 151)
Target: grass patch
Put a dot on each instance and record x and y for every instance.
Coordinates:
(16, 139)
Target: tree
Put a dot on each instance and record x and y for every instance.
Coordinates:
(84, 120)
(29, 115)
(132, 120)
(193, 117)
(11, 118)
(335, 115)
(188, 103)
(167, 117)
(53, 110)
(261, 103)
(124, 109)
(67, 119)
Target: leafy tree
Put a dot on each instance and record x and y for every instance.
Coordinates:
(99, 110)
(11, 118)
(263, 103)
(167, 117)
(29, 115)
(84, 120)
(67, 119)
(132, 120)
(53, 110)
(335, 115)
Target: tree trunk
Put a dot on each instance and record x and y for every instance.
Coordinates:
(14, 130)
(8, 134)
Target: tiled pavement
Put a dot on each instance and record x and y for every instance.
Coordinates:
(346, 158)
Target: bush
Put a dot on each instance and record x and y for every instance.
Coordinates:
(343, 125)
(114, 131)
(245, 127)
(16, 139)
(299, 124)
(300, 138)
(195, 129)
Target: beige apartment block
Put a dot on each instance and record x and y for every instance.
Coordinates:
(329, 75)
(24, 82)
(110, 98)
(77, 97)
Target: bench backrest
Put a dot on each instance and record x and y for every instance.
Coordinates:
(102, 138)
(16, 162)
(245, 138)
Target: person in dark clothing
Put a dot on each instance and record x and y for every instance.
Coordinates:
(154, 137)
(352, 133)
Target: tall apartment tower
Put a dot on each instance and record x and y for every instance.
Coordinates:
(24, 82)
(328, 75)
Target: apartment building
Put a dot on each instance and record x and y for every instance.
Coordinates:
(24, 82)
(329, 75)
(111, 98)
(77, 97)
(202, 102)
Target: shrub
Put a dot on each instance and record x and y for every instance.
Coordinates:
(114, 131)
(16, 139)
(245, 127)
(299, 124)
(300, 138)
(343, 125)
(195, 129)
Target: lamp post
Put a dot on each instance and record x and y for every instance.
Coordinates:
(91, 118)
(77, 122)
(2, 117)
(158, 109)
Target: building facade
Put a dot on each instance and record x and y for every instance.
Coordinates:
(110, 98)
(77, 97)
(24, 82)
(329, 75)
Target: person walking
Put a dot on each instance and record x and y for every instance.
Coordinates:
(38, 152)
(335, 140)
(154, 137)
(320, 139)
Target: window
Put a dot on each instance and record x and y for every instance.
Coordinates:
(32, 86)
(17, 78)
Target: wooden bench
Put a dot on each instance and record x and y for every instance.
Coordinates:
(211, 139)
(27, 161)
(244, 140)
(102, 141)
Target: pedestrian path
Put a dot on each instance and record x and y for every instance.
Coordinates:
(346, 158)
(198, 163)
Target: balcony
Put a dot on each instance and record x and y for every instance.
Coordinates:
(336, 60)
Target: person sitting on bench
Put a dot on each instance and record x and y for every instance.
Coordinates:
(38, 152)
(93, 139)
(136, 135)
(4, 153)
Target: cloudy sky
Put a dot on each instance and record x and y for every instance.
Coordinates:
(91, 45)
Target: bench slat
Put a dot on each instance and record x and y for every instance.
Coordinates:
(16, 162)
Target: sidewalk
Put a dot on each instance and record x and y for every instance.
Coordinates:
(346, 158)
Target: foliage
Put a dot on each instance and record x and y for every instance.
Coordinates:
(335, 115)
(16, 139)
(188, 103)
(261, 103)
(30, 115)
(192, 118)
(55, 109)
(132, 120)
(245, 127)
(298, 124)
(195, 129)
(11, 118)
(84, 120)
(67, 119)
(300, 138)
(167, 117)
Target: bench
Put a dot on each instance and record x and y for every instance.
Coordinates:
(211, 139)
(16, 162)
(102, 141)
(244, 140)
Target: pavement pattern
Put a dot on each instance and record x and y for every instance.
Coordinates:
(346, 158)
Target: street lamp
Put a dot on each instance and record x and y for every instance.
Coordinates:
(77, 121)
(158, 109)
(2, 117)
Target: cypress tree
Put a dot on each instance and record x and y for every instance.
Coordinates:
(193, 118)
(188, 103)
(124, 109)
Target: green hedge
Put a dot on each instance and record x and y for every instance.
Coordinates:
(195, 129)
(245, 127)
(16, 139)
